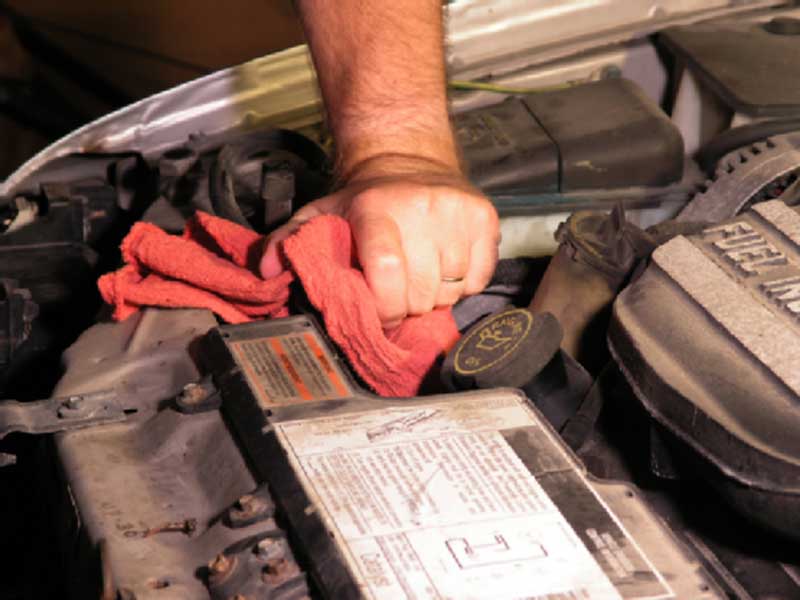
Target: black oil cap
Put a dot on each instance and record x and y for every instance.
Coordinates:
(517, 348)
(506, 349)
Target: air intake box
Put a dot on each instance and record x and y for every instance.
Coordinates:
(599, 135)
(709, 339)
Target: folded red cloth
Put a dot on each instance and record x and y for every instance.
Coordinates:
(212, 266)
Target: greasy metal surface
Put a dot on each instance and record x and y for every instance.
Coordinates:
(159, 491)
(128, 479)
(145, 355)
(741, 176)
(60, 414)
(131, 484)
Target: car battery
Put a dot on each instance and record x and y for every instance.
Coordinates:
(466, 496)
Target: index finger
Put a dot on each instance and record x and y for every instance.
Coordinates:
(380, 252)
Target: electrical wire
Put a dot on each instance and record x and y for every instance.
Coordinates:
(501, 89)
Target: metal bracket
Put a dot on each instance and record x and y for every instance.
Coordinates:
(59, 414)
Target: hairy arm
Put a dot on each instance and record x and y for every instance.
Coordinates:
(424, 236)
(381, 70)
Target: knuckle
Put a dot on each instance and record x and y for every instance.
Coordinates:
(454, 260)
(422, 295)
(486, 216)
(384, 259)
(450, 204)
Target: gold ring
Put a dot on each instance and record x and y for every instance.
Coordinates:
(452, 279)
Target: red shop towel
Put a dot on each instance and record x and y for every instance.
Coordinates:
(212, 266)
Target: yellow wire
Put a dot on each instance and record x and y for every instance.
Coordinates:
(501, 89)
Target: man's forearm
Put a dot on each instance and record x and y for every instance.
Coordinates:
(363, 52)
(423, 235)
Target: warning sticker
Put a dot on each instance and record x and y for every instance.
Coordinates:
(290, 368)
(435, 502)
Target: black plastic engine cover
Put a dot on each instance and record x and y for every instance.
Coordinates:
(599, 135)
(709, 339)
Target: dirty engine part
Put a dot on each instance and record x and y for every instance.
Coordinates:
(595, 257)
(708, 337)
(600, 135)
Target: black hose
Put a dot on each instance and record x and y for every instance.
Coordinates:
(709, 155)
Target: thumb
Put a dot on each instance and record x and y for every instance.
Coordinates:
(272, 263)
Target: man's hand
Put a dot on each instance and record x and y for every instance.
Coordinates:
(423, 240)
(424, 236)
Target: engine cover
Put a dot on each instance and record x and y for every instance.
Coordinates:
(709, 339)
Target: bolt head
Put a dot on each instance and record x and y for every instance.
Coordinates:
(269, 548)
(220, 564)
(193, 393)
(73, 402)
(279, 570)
(221, 568)
(249, 509)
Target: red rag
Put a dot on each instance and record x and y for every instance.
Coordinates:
(212, 266)
(393, 366)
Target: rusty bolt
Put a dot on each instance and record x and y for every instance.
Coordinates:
(279, 570)
(220, 564)
(265, 545)
(248, 507)
(220, 568)
(269, 548)
(247, 503)
(193, 393)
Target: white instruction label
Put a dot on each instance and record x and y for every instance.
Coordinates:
(432, 502)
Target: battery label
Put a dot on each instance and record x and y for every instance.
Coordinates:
(290, 368)
(434, 501)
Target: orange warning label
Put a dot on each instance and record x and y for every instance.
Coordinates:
(290, 368)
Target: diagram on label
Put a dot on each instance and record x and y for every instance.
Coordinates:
(471, 552)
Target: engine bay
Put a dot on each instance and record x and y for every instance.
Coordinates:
(619, 418)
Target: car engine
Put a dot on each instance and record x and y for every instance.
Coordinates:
(619, 418)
